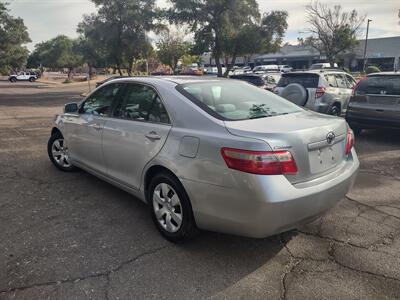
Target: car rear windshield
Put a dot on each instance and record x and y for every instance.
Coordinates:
(382, 84)
(236, 100)
(257, 81)
(306, 80)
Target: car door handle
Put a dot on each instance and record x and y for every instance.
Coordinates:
(153, 135)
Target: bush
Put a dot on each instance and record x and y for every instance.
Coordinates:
(372, 69)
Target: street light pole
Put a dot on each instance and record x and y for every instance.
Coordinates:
(365, 48)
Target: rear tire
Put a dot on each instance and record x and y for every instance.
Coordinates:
(58, 153)
(31, 79)
(170, 208)
(356, 130)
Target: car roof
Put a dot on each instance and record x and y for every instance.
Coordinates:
(169, 79)
(317, 71)
(384, 73)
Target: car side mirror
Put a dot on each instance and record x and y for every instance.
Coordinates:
(71, 108)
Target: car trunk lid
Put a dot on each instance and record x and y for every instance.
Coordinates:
(317, 142)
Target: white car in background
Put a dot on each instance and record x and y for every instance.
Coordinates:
(23, 76)
(285, 68)
(265, 68)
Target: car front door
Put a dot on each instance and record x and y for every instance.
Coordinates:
(84, 130)
(21, 76)
(135, 134)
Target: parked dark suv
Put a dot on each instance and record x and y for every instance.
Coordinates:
(375, 102)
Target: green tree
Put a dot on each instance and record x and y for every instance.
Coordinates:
(211, 20)
(333, 31)
(121, 27)
(189, 59)
(92, 55)
(59, 52)
(254, 35)
(13, 35)
(171, 47)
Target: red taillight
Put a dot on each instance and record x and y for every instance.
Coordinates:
(260, 162)
(350, 141)
(320, 92)
(356, 85)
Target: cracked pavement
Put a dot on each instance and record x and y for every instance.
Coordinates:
(72, 236)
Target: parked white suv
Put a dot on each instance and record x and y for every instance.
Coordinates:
(23, 76)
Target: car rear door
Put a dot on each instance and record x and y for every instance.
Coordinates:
(135, 134)
(84, 130)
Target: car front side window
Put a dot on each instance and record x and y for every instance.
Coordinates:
(350, 81)
(141, 103)
(100, 102)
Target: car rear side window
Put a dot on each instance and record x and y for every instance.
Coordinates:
(235, 100)
(141, 103)
(341, 81)
(306, 80)
(331, 80)
(383, 85)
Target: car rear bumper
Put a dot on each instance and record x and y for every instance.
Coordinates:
(372, 122)
(267, 205)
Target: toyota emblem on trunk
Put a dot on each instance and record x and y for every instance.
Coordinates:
(330, 137)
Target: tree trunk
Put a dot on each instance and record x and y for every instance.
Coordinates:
(90, 71)
(119, 70)
(217, 54)
(331, 61)
(229, 66)
(70, 73)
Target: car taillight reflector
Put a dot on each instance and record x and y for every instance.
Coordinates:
(260, 162)
(350, 141)
(320, 92)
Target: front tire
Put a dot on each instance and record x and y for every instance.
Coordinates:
(58, 153)
(170, 208)
(13, 79)
(32, 79)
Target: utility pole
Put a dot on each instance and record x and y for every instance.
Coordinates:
(365, 48)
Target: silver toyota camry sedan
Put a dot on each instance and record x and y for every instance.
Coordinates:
(212, 154)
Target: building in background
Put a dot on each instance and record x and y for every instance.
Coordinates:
(381, 52)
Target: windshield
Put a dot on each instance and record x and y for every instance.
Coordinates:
(236, 100)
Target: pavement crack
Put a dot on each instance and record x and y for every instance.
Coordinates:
(335, 260)
(288, 268)
(371, 207)
(89, 276)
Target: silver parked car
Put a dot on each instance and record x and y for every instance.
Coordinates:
(324, 91)
(214, 154)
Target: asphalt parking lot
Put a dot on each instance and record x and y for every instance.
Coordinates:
(72, 236)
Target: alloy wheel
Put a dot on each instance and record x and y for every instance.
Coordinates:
(167, 207)
(60, 153)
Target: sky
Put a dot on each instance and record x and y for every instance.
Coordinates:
(46, 19)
